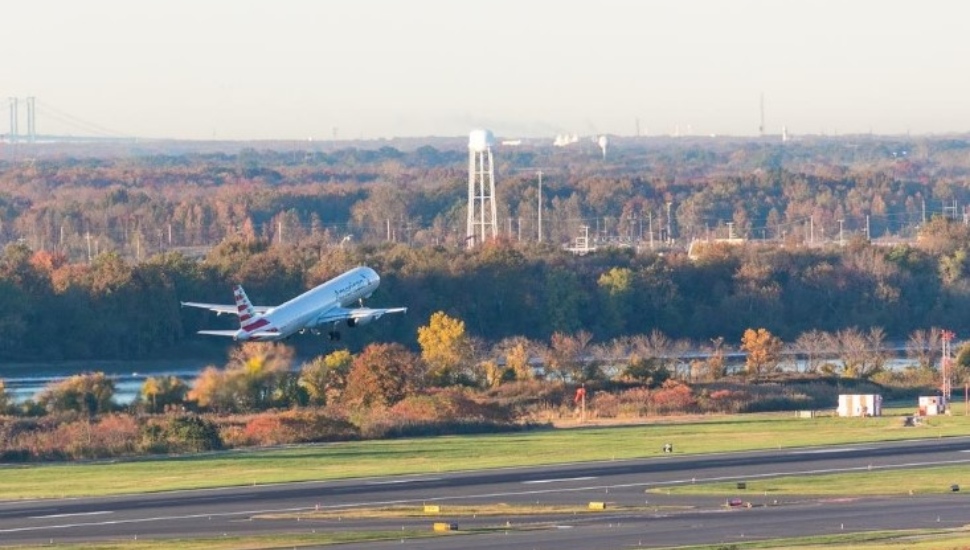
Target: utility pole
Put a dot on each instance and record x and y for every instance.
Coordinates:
(669, 226)
(540, 205)
(650, 227)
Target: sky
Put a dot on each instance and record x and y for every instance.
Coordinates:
(352, 69)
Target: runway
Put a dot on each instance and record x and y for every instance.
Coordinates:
(660, 520)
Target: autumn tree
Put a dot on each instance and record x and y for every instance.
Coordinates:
(445, 348)
(383, 374)
(713, 367)
(255, 378)
(567, 357)
(4, 398)
(210, 390)
(162, 391)
(763, 351)
(861, 353)
(961, 365)
(517, 355)
(812, 345)
(325, 378)
(924, 346)
(89, 393)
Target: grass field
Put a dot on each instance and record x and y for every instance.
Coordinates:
(874, 482)
(246, 543)
(924, 539)
(441, 454)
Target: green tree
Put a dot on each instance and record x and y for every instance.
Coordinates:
(650, 372)
(616, 286)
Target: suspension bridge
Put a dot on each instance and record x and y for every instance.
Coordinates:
(58, 126)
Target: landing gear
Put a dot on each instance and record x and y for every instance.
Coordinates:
(334, 335)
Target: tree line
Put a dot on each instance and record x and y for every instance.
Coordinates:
(112, 308)
(647, 191)
(453, 385)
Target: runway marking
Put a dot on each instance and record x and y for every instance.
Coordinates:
(561, 480)
(476, 496)
(399, 481)
(53, 516)
(827, 451)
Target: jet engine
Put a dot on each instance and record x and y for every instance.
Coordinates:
(363, 320)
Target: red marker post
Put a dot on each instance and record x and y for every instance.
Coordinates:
(581, 399)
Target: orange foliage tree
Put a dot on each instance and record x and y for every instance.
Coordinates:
(763, 349)
(383, 374)
(254, 379)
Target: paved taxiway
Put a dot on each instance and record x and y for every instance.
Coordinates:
(232, 511)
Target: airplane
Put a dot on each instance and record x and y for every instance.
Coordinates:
(326, 304)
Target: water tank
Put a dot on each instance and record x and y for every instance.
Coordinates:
(480, 140)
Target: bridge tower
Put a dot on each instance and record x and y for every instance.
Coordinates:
(31, 120)
(482, 218)
(14, 119)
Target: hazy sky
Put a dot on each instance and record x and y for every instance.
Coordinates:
(294, 69)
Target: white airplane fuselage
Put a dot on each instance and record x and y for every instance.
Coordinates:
(307, 310)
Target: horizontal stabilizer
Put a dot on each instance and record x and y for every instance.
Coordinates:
(224, 308)
(229, 333)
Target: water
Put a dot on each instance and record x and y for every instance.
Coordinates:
(27, 381)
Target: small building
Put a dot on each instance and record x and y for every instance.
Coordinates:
(932, 405)
(860, 405)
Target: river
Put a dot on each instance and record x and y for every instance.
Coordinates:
(25, 380)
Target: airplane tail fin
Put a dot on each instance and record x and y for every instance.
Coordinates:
(243, 305)
(250, 319)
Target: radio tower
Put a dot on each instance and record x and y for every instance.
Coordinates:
(482, 219)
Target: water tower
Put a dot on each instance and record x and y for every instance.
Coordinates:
(482, 220)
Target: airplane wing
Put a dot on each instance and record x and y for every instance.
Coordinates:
(224, 308)
(357, 316)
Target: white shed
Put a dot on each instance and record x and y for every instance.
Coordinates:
(860, 405)
(931, 405)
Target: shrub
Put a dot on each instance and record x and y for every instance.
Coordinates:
(181, 434)
(83, 393)
(295, 426)
(605, 405)
(438, 412)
